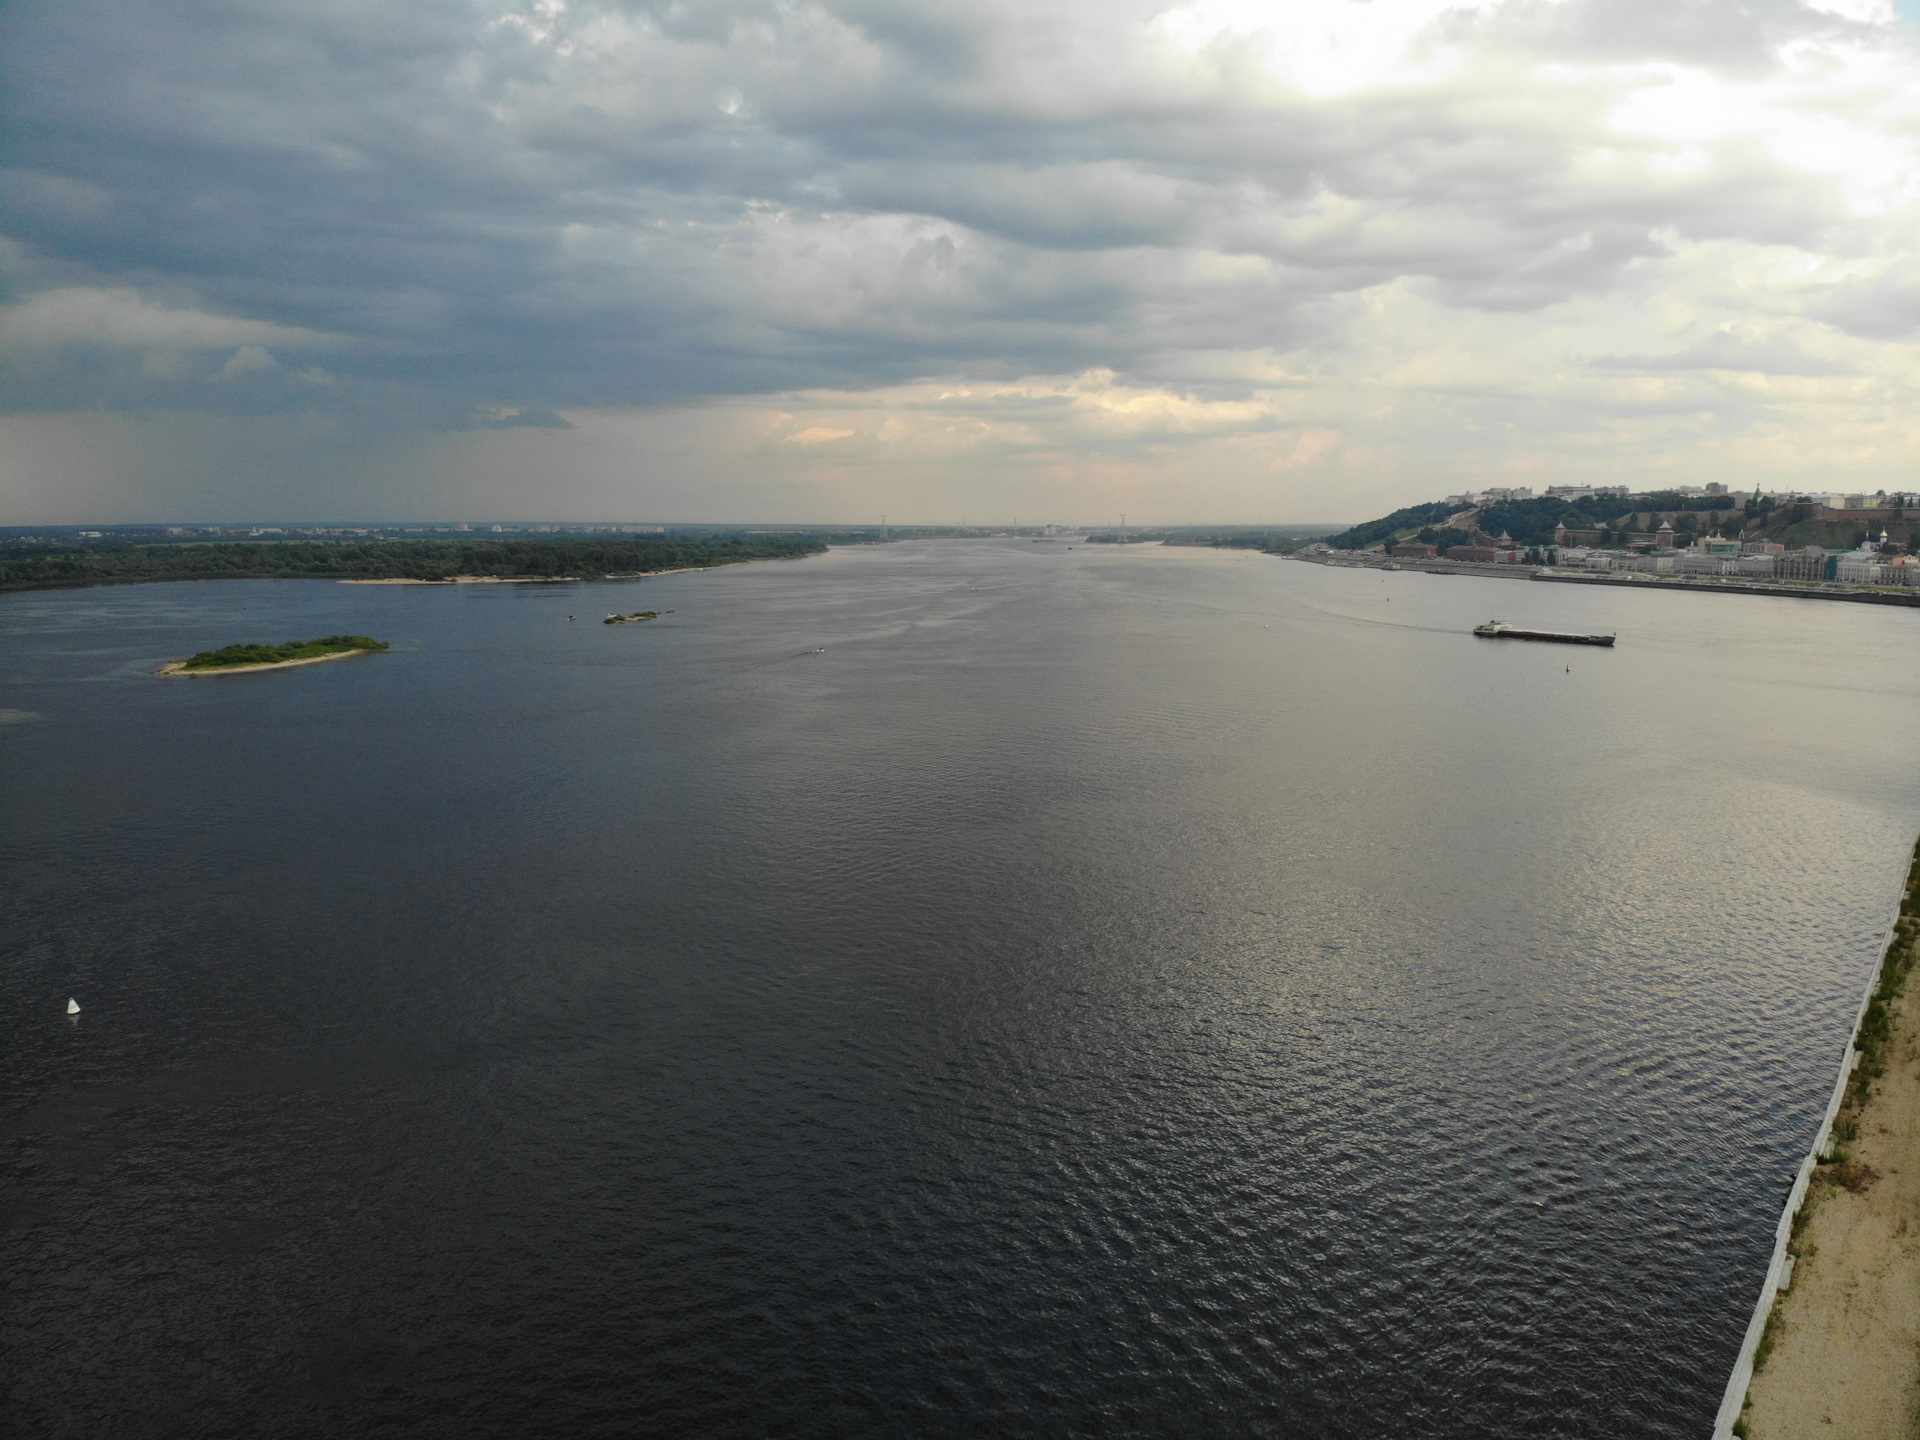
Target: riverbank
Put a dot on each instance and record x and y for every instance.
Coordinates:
(1636, 580)
(1716, 585)
(440, 560)
(473, 580)
(179, 667)
(1350, 560)
(1840, 1353)
(568, 579)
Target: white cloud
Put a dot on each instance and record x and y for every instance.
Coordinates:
(249, 360)
(1832, 120)
(1323, 47)
(1867, 12)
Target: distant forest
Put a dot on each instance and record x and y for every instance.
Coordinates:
(37, 567)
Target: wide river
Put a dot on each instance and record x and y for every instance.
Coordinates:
(944, 988)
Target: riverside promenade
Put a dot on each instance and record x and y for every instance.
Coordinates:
(1637, 580)
(1732, 585)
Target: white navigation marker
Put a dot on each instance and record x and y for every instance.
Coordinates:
(73, 1006)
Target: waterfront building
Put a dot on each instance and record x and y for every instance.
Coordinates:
(1483, 555)
(1700, 562)
(1859, 567)
(1808, 564)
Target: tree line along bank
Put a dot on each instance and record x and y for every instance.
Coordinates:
(39, 568)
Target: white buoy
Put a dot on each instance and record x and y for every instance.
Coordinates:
(73, 1006)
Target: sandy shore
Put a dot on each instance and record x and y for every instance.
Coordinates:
(570, 579)
(173, 667)
(1845, 1359)
(472, 580)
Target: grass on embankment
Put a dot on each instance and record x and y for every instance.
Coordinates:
(234, 655)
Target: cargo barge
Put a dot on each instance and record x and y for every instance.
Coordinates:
(1500, 630)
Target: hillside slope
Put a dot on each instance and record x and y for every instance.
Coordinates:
(1533, 522)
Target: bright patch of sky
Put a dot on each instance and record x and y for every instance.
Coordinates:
(1324, 47)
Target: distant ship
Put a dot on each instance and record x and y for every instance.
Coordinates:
(1500, 630)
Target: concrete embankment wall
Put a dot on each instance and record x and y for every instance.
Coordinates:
(1663, 584)
(1735, 1396)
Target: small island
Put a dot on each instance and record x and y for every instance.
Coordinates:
(635, 617)
(236, 658)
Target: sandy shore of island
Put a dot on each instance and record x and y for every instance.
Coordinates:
(570, 579)
(1846, 1354)
(175, 667)
(472, 580)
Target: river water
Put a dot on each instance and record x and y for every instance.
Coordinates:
(944, 988)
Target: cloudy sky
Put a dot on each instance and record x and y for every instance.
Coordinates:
(1048, 259)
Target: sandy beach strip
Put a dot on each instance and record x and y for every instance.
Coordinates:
(572, 579)
(472, 580)
(1845, 1356)
(175, 667)
(696, 569)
